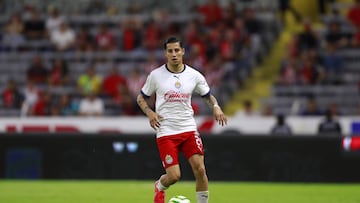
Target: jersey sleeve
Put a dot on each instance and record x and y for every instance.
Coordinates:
(202, 87)
(149, 87)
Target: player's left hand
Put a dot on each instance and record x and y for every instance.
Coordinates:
(219, 116)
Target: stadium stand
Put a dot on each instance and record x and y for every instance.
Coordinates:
(227, 53)
(332, 78)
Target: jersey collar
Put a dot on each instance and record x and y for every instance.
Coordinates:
(174, 72)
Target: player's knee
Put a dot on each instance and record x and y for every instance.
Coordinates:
(200, 170)
(174, 177)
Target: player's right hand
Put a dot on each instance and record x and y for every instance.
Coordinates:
(154, 120)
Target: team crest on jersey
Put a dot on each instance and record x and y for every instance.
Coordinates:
(168, 159)
(177, 84)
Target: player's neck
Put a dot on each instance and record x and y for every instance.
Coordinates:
(176, 68)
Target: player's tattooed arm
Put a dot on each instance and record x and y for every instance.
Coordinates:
(211, 101)
(218, 113)
(154, 118)
(143, 104)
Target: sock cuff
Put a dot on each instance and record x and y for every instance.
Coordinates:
(202, 192)
(160, 186)
(202, 196)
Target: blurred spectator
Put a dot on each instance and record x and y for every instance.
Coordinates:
(254, 27)
(161, 17)
(13, 35)
(131, 35)
(333, 64)
(248, 110)
(214, 39)
(191, 31)
(336, 36)
(11, 96)
(211, 12)
(35, 27)
(31, 95)
(195, 38)
(42, 107)
(54, 20)
(96, 7)
(230, 13)
(37, 72)
(244, 58)
(267, 110)
(151, 63)
(293, 46)
(84, 40)
(289, 72)
(241, 33)
(31, 92)
(308, 38)
(152, 36)
(66, 106)
(228, 45)
(333, 109)
(134, 8)
(252, 24)
(135, 81)
(196, 58)
(355, 40)
(91, 105)
(353, 14)
(59, 74)
(329, 126)
(281, 127)
(105, 39)
(63, 38)
(89, 81)
(311, 108)
(310, 73)
(126, 102)
(214, 72)
(113, 83)
(315, 57)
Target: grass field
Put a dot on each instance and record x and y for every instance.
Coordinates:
(142, 191)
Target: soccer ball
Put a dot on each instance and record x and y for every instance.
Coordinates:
(179, 199)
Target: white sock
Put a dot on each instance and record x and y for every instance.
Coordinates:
(202, 196)
(160, 186)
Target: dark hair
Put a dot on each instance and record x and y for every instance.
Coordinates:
(172, 40)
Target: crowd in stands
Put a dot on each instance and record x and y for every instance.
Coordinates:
(58, 64)
(315, 76)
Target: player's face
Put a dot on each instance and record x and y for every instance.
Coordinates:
(174, 53)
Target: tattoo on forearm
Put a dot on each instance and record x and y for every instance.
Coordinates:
(142, 104)
(211, 101)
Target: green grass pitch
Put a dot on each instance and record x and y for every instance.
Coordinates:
(70, 191)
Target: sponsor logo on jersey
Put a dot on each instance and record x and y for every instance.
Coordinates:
(173, 96)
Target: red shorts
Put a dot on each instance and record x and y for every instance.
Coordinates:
(189, 143)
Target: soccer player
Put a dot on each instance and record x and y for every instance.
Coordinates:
(173, 83)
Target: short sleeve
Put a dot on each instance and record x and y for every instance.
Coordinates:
(149, 86)
(202, 87)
